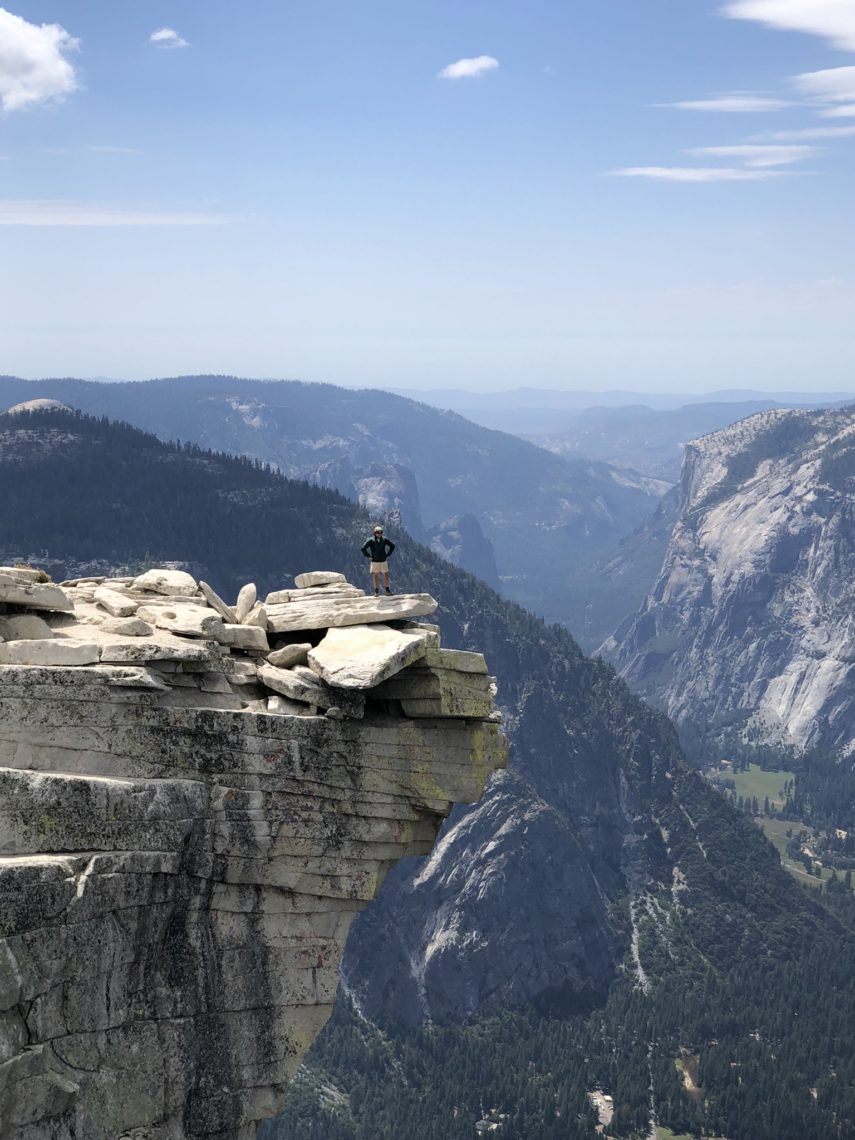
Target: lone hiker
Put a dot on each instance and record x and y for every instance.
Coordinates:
(378, 550)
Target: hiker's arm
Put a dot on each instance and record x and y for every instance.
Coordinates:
(365, 548)
(390, 544)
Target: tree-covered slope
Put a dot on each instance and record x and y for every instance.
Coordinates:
(599, 879)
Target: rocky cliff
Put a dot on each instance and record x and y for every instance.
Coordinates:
(197, 799)
(749, 627)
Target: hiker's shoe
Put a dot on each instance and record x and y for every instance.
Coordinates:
(389, 590)
(376, 593)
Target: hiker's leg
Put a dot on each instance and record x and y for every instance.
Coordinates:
(376, 578)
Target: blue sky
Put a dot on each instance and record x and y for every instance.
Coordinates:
(648, 194)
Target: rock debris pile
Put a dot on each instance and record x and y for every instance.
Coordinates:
(322, 647)
(196, 798)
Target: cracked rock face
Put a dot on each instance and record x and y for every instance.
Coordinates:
(179, 871)
(750, 621)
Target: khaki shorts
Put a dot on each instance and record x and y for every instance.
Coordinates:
(379, 568)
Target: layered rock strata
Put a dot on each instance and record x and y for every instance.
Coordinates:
(187, 830)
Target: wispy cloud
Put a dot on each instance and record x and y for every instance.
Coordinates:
(34, 65)
(699, 173)
(833, 90)
(167, 38)
(832, 19)
(43, 212)
(469, 68)
(806, 134)
(757, 156)
(100, 149)
(734, 103)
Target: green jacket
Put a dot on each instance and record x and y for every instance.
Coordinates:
(378, 549)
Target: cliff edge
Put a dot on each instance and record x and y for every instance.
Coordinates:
(196, 799)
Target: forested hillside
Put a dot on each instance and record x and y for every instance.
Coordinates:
(545, 517)
(600, 917)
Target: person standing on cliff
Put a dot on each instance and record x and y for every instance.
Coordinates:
(378, 550)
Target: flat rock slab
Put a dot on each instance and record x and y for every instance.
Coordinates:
(34, 595)
(54, 651)
(301, 684)
(214, 600)
(166, 582)
(333, 613)
(361, 656)
(437, 692)
(319, 578)
(279, 597)
(126, 627)
(140, 651)
(23, 574)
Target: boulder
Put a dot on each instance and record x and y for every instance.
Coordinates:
(251, 637)
(115, 603)
(55, 651)
(319, 578)
(189, 621)
(245, 601)
(289, 655)
(257, 616)
(216, 603)
(33, 595)
(331, 613)
(362, 656)
(166, 582)
(24, 627)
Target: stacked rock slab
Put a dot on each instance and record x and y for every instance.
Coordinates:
(187, 830)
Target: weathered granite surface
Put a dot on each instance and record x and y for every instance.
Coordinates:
(180, 865)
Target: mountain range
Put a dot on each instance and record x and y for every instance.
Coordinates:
(603, 905)
(450, 482)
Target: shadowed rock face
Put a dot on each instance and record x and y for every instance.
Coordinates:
(178, 875)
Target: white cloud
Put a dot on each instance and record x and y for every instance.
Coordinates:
(734, 104)
(167, 38)
(847, 111)
(467, 68)
(33, 62)
(833, 85)
(832, 19)
(806, 134)
(699, 173)
(757, 156)
(44, 212)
